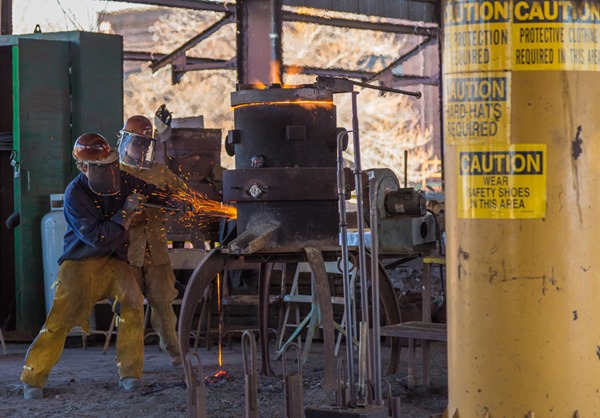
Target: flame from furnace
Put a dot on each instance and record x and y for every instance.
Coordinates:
(219, 376)
(275, 76)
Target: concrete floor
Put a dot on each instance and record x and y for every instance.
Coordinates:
(84, 383)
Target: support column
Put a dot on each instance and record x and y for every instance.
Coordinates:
(522, 173)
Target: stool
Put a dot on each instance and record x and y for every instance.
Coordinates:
(423, 330)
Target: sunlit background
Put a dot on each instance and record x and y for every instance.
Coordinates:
(390, 124)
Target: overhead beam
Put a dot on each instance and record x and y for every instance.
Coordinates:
(416, 50)
(200, 64)
(359, 24)
(167, 59)
(406, 29)
(186, 4)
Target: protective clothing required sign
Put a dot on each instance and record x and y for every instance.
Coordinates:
(502, 182)
(522, 35)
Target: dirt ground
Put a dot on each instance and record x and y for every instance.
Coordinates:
(84, 384)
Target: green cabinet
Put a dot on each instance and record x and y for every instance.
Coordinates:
(62, 85)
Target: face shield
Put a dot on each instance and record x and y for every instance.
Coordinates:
(136, 150)
(104, 176)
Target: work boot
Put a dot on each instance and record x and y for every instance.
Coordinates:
(32, 392)
(130, 383)
(175, 360)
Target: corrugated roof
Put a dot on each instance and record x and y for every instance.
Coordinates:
(414, 10)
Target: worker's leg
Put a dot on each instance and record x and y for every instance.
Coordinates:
(72, 306)
(160, 292)
(130, 334)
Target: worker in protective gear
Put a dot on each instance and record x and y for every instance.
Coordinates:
(148, 251)
(99, 206)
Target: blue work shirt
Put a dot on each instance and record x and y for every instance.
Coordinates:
(91, 232)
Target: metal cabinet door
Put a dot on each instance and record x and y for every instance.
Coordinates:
(42, 161)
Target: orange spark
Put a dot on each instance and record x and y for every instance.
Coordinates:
(201, 206)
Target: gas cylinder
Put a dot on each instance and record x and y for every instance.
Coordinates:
(54, 227)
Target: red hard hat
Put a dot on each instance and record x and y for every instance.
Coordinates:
(91, 147)
(139, 125)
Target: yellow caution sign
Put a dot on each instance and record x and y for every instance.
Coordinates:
(556, 35)
(477, 108)
(523, 35)
(505, 182)
(477, 35)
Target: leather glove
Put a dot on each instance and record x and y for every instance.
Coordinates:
(131, 212)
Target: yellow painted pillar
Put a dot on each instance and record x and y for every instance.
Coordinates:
(522, 128)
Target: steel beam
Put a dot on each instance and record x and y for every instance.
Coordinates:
(416, 50)
(186, 4)
(5, 17)
(298, 17)
(167, 59)
(358, 24)
(259, 48)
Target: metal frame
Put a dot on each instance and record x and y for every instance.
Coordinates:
(181, 63)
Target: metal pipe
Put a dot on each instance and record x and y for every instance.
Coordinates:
(376, 343)
(362, 259)
(251, 383)
(341, 184)
(405, 168)
(153, 206)
(275, 38)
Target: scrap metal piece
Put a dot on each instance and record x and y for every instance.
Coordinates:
(394, 402)
(204, 273)
(317, 266)
(255, 238)
(196, 395)
(264, 283)
(342, 392)
(293, 384)
(250, 378)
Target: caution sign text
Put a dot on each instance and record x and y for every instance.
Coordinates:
(477, 35)
(476, 108)
(556, 35)
(502, 182)
(521, 35)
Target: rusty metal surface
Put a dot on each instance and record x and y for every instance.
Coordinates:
(195, 385)
(191, 153)
(250, 378)
(293, 384)
(264, 282)
(417, 330)
(317, 266)
(278, 95)
(255, 238)
(259, 26)
(279, 183)
(204, 273)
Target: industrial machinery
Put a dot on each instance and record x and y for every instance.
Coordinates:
(290, 185)
(404, 226)
(284, 183)
(194, 154)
